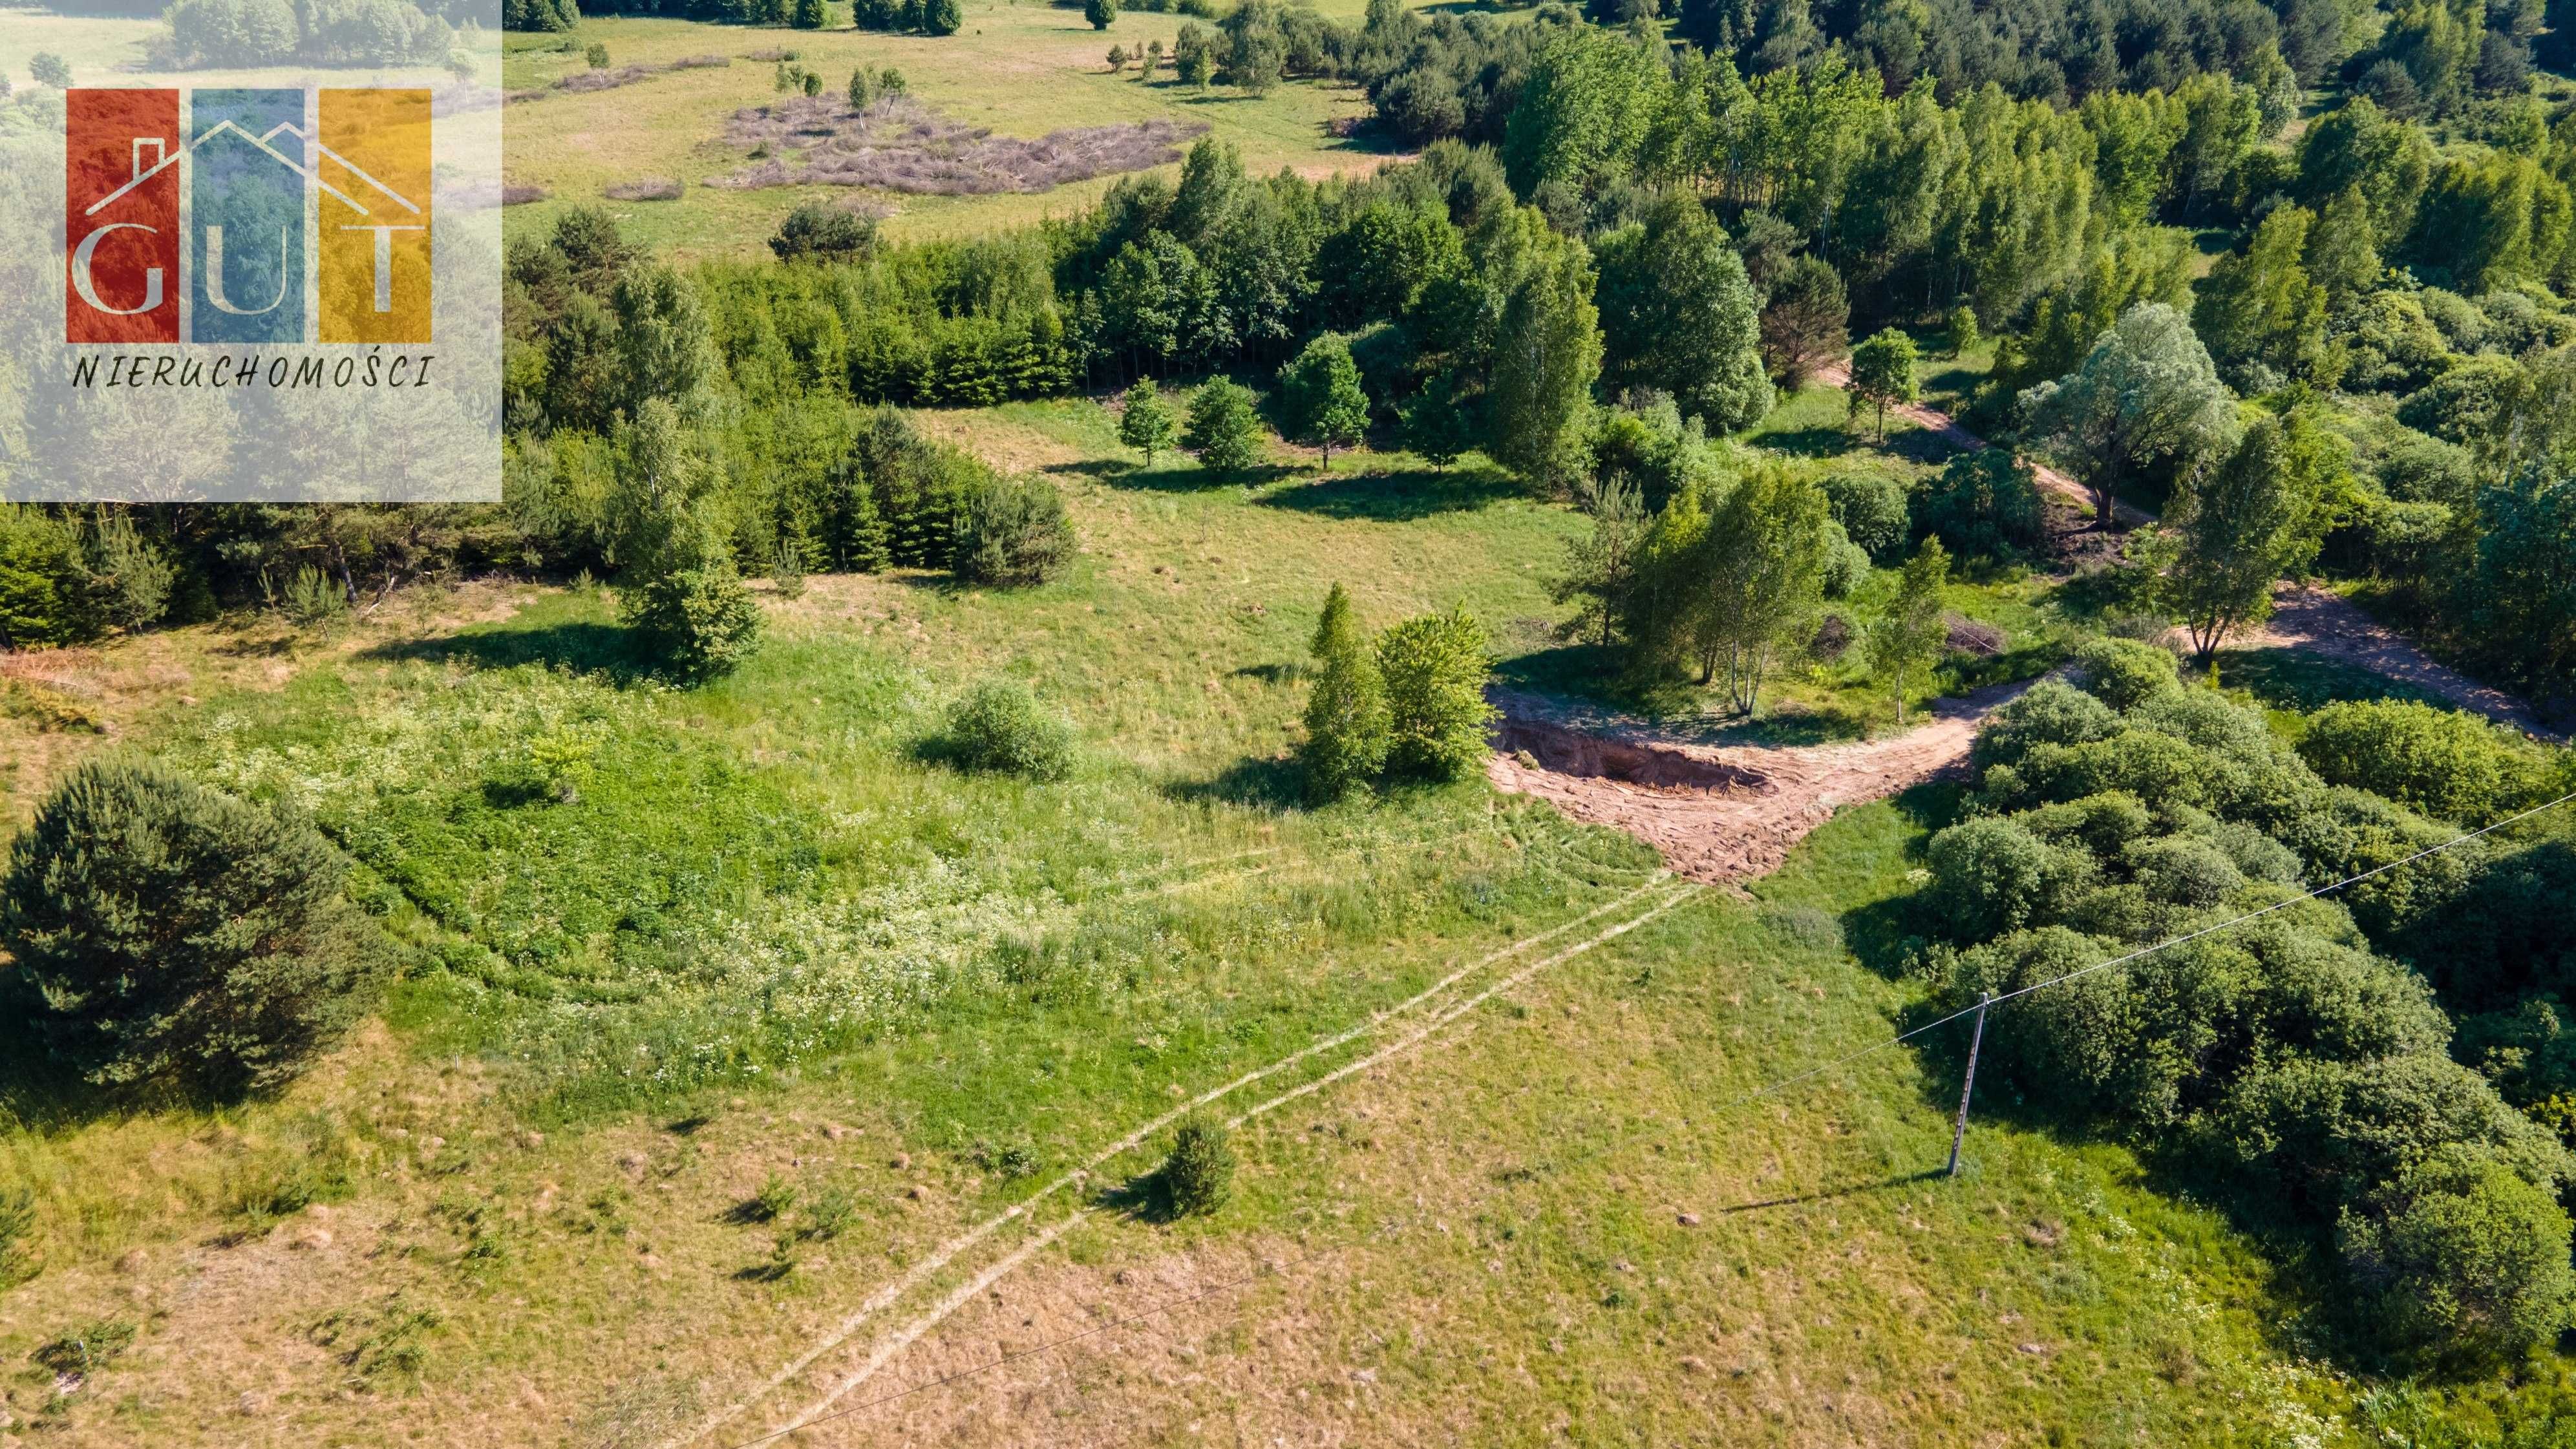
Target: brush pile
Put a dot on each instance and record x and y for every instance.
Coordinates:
(898, 144)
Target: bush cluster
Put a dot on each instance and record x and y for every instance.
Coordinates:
(1000, 726)
(2286, 1052)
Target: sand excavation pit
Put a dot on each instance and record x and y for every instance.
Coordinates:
(899, 144)
(1562, 751)
(1718, 815)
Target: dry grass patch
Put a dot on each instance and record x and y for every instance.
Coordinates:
(900, 144)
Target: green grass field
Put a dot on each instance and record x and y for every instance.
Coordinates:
(773, 951)
(686, 1067)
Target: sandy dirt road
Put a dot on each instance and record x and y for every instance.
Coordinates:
(1718, 815)
(2304, 617)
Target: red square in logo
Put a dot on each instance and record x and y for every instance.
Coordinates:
(121, 216)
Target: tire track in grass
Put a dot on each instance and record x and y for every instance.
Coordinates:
(947, 1252)
(888, 1349)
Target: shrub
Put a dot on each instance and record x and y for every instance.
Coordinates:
(1348, 726)
(1000, 726)
(1872, 511)
(1985, 504)
(2124, 673)
(2441, 761)
(2047, 713)
(1224, 430)
(1990, 876)
(1846, 568)
(314, 599)
(1013, 532)
(1435, 668)
(2464, 1258)
(597, 55)
(771, 1202)
(2184, 871)
(84, 1351)
(1198, 1176)
(815, 232)
(175, 936)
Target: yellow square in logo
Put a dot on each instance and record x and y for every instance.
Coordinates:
(373, 198)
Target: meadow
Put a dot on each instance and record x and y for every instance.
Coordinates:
(1018, 68)
(775, 974)
(728, 1010)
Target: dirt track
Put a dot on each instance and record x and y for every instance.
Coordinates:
(2304, 617)
(1718, 815)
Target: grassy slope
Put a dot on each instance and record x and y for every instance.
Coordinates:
(759, 852)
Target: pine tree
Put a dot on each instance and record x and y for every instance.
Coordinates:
(806, 14)
(859, 93)
(1347, 722)
(867, 545)
(1117, 59)
(1146, 424)
(942, 17)
(1100, 12)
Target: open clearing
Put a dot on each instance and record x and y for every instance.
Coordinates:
(1017, 70)
(475, 1220)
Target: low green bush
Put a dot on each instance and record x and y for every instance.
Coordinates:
(1001, 727)
(2124, 673)
(2443, 762)
(1872, 510)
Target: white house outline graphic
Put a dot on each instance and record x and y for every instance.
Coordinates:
(261, 141)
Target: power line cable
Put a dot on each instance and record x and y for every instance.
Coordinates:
(2140, 954)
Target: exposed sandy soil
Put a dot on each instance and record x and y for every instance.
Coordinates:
(1718, 815)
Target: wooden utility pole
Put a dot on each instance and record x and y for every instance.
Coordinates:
(1968, 1086)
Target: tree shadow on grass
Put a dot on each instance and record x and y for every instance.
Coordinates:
(1274, 784)
(1399, 496)
(1883, 935)
(1819, 442)
(1174, 476)
(1920, 445)
(580, 646)
(2294, 679)
(1828, 1194)
(1141, 1198)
